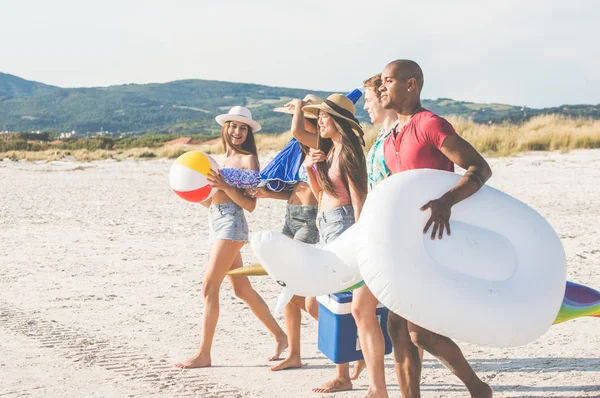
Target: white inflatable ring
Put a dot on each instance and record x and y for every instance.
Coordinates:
(498, 280)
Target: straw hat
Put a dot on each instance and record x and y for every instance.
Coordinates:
(338, 105)
(310, 99)
(239, 114)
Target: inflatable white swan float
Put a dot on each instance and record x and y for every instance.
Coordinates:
(498, 280)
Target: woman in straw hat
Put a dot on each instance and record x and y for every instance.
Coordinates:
(300, 224)
(339, 180)
(229, 232)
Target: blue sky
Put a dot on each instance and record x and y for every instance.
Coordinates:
(533, 53)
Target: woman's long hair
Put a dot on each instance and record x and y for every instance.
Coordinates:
(248, 146)
(351, 160)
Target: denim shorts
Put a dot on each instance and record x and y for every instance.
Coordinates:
(334, 221)
(301, 223)
(227, 221)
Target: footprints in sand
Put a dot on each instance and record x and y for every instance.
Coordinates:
(122, 361)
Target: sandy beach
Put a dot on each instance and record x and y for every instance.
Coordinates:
(102, 264)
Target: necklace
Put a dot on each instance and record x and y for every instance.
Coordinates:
(406, 122)
(415, 112)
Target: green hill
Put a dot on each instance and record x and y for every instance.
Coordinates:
(189, 107)
(13, 86)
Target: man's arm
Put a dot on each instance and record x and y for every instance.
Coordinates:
(460, 152)
(477, 173)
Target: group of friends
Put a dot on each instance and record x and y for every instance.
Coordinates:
(333, 183)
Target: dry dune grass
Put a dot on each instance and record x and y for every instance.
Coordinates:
(541, 133)
(371, 132)
(84, 155)
(266, 143)
(80, 155)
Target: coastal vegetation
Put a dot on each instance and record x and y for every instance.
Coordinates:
(541, 133)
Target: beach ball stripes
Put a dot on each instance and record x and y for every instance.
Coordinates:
(188, 176)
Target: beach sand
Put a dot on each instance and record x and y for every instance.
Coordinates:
(102, 264)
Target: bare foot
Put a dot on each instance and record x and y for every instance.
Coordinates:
(280, 346)
(376, 394)
(197, 361)
(334, 385)
(483, 391)
(292, 362)
(359, 366)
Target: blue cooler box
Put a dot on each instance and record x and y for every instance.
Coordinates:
(338, 335)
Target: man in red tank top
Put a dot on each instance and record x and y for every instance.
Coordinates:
(423, 139)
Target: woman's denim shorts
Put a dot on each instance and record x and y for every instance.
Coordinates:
(334, 221)
(227, 221)
(301, 223)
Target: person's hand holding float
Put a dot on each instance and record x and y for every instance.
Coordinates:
(440, 216)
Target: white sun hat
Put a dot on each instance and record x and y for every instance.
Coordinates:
(239, 114)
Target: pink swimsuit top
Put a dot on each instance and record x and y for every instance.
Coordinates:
(341, 192)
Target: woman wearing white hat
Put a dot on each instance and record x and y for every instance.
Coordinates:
(229, 232)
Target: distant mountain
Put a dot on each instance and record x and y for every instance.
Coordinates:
(189, 106)
(13, 86)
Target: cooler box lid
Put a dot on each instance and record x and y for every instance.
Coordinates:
(339, 303)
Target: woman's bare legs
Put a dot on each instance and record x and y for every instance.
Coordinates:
(359, 366)
(312, 307)
(225, 254)
(340, 383)
(293, 322)
(222, 255)
(243, 289)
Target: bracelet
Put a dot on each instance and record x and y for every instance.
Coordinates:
(475, 177)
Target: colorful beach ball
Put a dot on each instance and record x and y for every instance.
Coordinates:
(188, 176)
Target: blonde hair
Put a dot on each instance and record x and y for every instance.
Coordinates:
(374, 83)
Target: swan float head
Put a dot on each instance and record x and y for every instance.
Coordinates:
(308, 270)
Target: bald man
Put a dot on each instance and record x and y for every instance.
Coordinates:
(422, 140)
